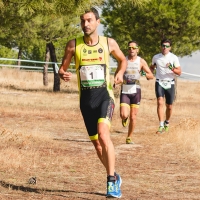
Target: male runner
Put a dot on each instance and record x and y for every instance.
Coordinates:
(91, 53)
(131, 90)
(167, 67)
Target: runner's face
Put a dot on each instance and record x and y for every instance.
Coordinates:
(89, 23)
(132, 49)
(165, 48)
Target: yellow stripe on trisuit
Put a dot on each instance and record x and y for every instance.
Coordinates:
(135, 106)
(94, 137)
(124, 104)
(104, 120)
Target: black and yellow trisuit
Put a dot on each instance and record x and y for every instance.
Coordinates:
(95, 89)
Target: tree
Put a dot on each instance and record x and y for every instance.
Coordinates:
(178, 20)
(7, 53)
(28, 25)
(18, 29)
(25, 24)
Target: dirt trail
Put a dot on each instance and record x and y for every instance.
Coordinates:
(156, 167)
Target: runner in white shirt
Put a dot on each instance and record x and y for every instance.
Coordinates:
(167, 67)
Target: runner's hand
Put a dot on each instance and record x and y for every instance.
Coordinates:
(66, 76)
(118, 80)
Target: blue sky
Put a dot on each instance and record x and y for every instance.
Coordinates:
(191, 64)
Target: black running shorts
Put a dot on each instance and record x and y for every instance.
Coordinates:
(95, 107)
(131, 99)
(169, 94)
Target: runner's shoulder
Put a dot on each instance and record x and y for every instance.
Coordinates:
(159, 55)
(70, 46)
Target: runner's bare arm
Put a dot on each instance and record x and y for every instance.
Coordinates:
(177, 70)
(146, 69)
(119, 56)
(152, 67)
(69, 53)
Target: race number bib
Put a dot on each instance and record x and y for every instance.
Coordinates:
(92, 75)
(165, 84)
(128, 89)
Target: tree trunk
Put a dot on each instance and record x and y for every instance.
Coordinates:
(45, 70)
(19, 57)
(56, 86)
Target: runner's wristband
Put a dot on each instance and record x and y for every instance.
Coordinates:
(171, 67)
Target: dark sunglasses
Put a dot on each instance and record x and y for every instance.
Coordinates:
(165, 46)
(132, 47)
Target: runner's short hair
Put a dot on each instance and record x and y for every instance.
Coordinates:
(165, 40)
(133, 41)
(93, 10)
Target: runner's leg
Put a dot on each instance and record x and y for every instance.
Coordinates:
(124, 111)
(108, 154)
(169, 95)
(160, 108)
(168, 111)
(132, 123)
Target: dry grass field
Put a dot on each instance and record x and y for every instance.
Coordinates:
(43, 135)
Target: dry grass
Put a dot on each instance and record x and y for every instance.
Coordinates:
(42, 134)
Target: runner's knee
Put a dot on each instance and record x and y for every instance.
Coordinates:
(160, 101)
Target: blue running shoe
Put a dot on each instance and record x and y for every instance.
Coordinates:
(113, 188)
(118, 178)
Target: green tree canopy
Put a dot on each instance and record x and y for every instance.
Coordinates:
(7, 53)
(29, 25)
(178, 20)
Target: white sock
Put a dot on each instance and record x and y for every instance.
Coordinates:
(162, 124)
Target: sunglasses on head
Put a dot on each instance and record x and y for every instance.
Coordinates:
(130, 47)
(165, 46)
